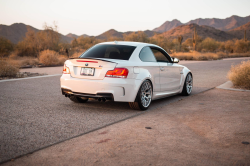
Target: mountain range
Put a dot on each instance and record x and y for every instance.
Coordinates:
(221, 24)
(219, 29)
(16, 32)
(202, 30)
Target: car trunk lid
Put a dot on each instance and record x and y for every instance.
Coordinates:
(90, 68)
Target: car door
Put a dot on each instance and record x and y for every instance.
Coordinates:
(170, 73)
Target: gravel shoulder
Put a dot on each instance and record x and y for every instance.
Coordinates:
(210, 128)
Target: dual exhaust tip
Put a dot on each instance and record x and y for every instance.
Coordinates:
(67, 95)
(99, 99)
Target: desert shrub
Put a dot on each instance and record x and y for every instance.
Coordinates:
(29, 61)
(6, 47)
(240, 74)
(208, 44)
(241, 46)
(22, 61)
(49, 57)
(195, 56)
(62, 59)
(229, 46)
(139, 36)
(13, 56)
(7, 69)
(85, 42)
(76, 52)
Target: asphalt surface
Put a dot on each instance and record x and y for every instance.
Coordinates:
(34, 114)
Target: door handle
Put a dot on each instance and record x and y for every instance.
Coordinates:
(162, 68)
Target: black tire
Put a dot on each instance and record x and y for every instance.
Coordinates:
(78, 99)
(186, 91)
(138, 104)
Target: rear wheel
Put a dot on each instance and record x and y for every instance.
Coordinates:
(78, 99)
(188, 85)
(143, 98)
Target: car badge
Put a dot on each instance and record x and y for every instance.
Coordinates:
(86, 64)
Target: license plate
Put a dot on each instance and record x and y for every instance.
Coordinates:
(86, 71)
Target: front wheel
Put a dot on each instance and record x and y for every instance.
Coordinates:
(144, 97)
(188, 85)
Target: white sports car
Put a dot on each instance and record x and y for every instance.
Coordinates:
(131, 72)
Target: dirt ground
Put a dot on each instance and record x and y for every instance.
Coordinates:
(210, 128)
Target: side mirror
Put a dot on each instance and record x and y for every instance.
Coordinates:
(176, 60)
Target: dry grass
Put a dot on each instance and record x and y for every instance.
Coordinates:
(22, 61)
(240, 75)
(51, 58)
(7, 69)
(207, 56)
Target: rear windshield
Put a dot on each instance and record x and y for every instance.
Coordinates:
(109, 51)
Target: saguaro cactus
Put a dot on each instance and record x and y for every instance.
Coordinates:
(245, 36)
(180, 38)
(194, 39)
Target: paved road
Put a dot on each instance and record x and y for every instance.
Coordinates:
(34, 114)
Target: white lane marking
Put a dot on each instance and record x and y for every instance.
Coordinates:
(18, 79)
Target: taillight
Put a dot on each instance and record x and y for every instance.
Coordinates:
(117, 73)
(66, 70)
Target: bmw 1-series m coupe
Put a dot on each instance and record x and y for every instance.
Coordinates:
(131, 72)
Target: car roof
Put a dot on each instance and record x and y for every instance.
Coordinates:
(128, 43)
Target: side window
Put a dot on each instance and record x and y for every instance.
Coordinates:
(146, 55)
(160, 57)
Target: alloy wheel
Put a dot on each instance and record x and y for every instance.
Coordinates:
(146, 94)
(189, 83)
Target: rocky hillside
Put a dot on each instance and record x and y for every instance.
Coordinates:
(222, 24)
(203, 31)
(239, 32)
(71, 35)
(115, 34)
(15, 32)
(168, 25)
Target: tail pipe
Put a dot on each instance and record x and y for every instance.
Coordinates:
(67, 95)
(102, 99)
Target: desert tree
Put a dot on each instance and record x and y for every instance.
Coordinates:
(195, 38)
(6, 47)
(245, 36)
(180, 39)
(74, 43)
(29, 46)
(51, 35)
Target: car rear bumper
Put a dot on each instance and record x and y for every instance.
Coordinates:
(107, 96)
(116, 89)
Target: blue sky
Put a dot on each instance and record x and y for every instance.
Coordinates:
(94, 17)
